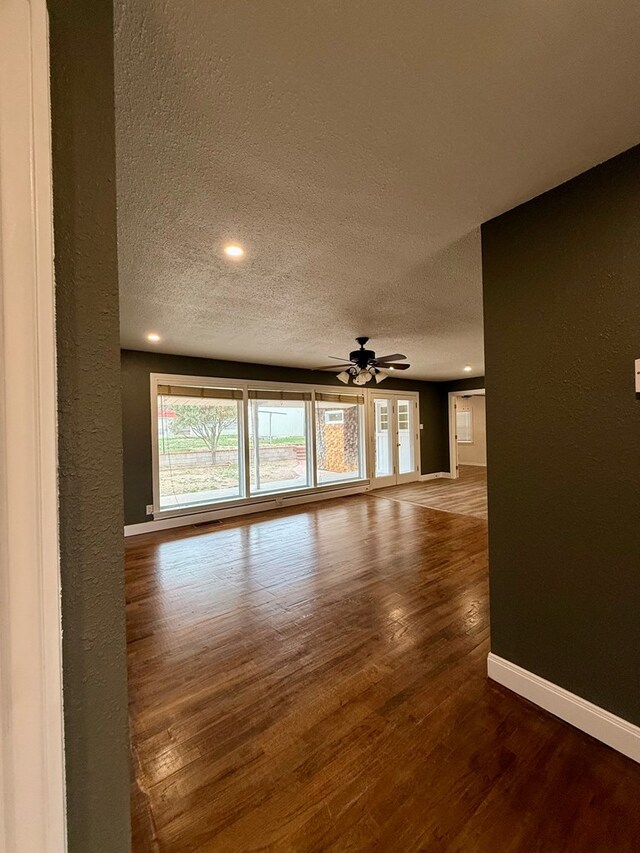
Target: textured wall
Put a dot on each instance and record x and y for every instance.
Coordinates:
(95, 690)
(136, 419)
(471, 383)
(562, 308)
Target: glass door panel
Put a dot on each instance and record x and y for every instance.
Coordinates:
(383, 426)
(406, 431)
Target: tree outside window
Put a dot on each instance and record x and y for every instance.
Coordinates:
(208, 422)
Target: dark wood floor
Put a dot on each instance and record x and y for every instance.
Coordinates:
(466, 495)
(314, 680)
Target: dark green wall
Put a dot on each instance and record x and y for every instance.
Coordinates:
(562, 330)
(467, 384)
(137, 366)
(90, 458)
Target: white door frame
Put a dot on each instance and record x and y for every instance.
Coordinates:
(32, 785)
(393, 396)
(454, 467)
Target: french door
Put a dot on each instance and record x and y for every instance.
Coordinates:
(393, 436)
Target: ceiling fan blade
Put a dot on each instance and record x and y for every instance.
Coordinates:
(393, 367)
(338, 357)
(395, 357)
(334, 366)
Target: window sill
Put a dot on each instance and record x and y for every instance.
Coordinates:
(262, 498)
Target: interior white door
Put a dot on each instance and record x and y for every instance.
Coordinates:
(405, 410)
(393, 439)
(382, 441)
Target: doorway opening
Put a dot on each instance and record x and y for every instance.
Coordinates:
(394, 438)
(467, 430)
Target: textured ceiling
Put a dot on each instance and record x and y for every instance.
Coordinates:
(353, 148)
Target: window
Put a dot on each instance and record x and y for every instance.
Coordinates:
(382, 416)
(199, 445)
(233, 442)
(278, 446)
(403, 415)
(339, 437)
(464, 426)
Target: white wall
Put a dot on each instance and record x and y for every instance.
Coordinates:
(476, 453)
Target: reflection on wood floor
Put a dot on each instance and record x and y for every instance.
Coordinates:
(315, 680)
(467, 495)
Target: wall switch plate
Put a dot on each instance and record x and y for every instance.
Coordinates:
(637, 378)
(149, 509)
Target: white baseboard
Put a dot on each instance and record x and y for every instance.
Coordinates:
(279, 502)
(472, 464)
(436, 476)
(600, 724)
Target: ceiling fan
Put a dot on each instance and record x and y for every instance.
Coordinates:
(362, 365)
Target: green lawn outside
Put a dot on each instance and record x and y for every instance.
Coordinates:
(177, 444)
(210, 477)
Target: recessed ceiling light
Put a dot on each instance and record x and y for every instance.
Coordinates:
(234, 251)
(467, 368)
(153, 338)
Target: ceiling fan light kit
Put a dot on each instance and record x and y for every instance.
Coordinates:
(363, 366)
